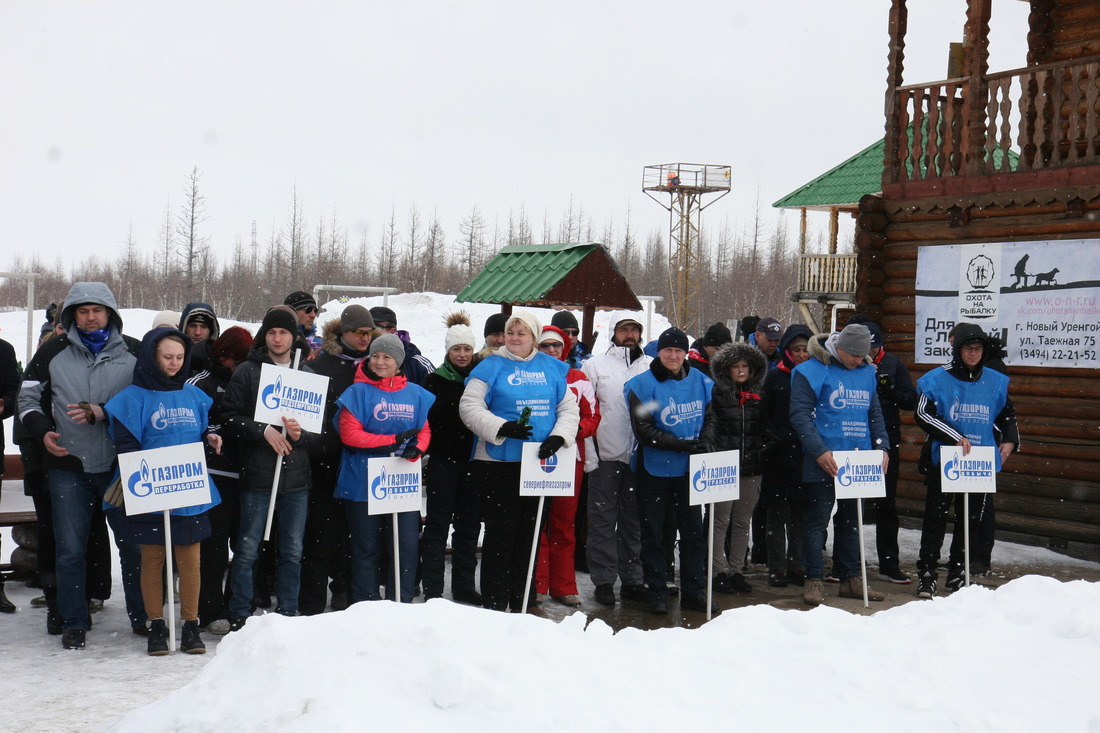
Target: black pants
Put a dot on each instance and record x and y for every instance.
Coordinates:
(509, 532)
(934, 526)
(225, 519)
(886, 516)
(452, 500)
(325, 550)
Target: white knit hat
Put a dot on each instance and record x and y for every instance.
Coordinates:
(458, 331)
(528, 319)
(166, 318)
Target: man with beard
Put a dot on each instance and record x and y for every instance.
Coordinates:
(614, 534)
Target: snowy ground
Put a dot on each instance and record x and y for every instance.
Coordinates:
(1025, 657)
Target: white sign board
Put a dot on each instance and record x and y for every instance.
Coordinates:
(1041, 299)
(293, 394)
(715, 477)
(859, 474)
(393, 485)
(553, 476)
(974, 473)
(164, 478)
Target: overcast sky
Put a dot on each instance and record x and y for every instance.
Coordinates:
(364, 106)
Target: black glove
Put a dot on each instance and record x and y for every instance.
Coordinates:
(411, 452)
(703, 447)
(690, 446)
(513, 429)
(550, 446)
(402, 437)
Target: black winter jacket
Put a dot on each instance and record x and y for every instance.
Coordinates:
(740, 410)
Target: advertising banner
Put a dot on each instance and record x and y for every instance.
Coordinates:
(974, 473)
(164, 478)
(293, 394)
(553, 476)
(859, 474)
(393, 485)
(1041, 299)
(715, 477)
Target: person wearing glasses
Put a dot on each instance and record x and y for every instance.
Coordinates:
(306, 307)
(556, 573)
(578, 353)
(417, 366)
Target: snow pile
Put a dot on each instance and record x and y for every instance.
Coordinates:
(1022, 658)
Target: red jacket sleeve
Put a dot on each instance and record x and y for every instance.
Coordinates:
(352, 434)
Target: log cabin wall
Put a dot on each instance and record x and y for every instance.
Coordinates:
(1063, 30)
(1050, 492)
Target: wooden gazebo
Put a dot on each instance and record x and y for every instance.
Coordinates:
(569, 275)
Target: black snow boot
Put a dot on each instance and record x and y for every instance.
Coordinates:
(6, 606)
(190, 641)
(158, 638)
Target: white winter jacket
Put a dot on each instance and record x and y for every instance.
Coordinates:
(609, 373)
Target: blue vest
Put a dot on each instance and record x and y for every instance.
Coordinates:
(512, 385)
(842, 412)
(678, 407)
(382, 413)
(970, 407)
(159, 419)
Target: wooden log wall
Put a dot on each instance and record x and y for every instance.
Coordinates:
(1051, 489)
(1061, 30)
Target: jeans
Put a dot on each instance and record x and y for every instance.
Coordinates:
(614, 533)
(74, 497)
(821, 496)
(291, 508)
(129, 558)
(369, 535)
(657, 497)
(452, 500)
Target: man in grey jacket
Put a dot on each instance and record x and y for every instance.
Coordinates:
(61, 404)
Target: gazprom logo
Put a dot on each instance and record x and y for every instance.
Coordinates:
(270, 395)
(385, 410)
(138, 483)
(960, 410)
(699, 480)
(378, 486)
(842, 398)
(520, 377)
(164, 417)
(861, 473)
(678, 412)
(717, 478)
(959, 466)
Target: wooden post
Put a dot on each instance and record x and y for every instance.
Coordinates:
(899, 18)
(588, 322)
(834, 228)
(976, 64)
(802, 231)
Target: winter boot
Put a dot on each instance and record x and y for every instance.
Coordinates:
(6, 606)
(926, 585)
(853, 588)
(814, 592)
(739, 584)
(190, 641)
(158, 638)
(955, 577)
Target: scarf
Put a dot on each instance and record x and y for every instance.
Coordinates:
(95, 340)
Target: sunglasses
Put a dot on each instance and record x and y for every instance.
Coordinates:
(571, 332)
(385, 326)
(362, 332)
(309, 309)
(551, 346)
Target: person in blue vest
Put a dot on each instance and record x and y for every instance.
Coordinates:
(157, 411)
(494, 406)
(381, 414)
(669, 409)
(964, 403)
(835, 406)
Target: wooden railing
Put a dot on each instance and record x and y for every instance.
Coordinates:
(1031, 119)
(826, 274)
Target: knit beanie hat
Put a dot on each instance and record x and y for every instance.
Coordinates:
(564, 320)
(280, 316)
(855, 339)
(355, 317)
(300, 299)
(458, 331)
(382, 314)
(553, 333)
(717, 335)
(672, 338)
(233, 344)
(166, 318)
(528, 319)
(495, 324)
(389, 344)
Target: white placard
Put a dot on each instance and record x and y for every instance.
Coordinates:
(859, 474)
(291, 393)
(164, 478)
(974, 473)
(553, 476)
(715, 477)
(393, 485)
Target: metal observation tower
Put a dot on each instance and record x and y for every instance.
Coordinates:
(685, 184)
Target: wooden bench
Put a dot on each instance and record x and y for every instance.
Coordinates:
(11, 519)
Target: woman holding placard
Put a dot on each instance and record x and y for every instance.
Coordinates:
(515, 395)
(159, 410)
(738, 370)
(380, 414)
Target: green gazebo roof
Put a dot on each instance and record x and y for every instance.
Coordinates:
(544, 275)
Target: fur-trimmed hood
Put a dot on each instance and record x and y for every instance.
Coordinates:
(729, 355)
(330, 338)
(818, 350)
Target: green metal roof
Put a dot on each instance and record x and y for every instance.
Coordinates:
(523, 273)
(843, 185)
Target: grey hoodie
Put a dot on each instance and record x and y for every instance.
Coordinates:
(65, 372)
